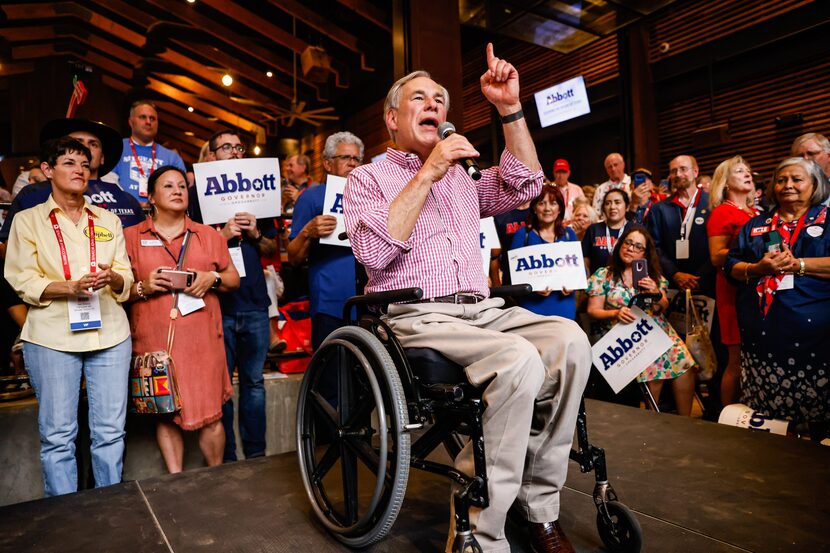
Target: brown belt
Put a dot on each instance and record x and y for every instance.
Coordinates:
(461, 297)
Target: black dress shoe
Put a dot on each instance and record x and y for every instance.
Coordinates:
(548, 537)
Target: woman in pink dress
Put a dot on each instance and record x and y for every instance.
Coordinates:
(731, 200)
(198, 346)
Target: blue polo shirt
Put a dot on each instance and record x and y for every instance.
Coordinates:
(330, 268)
(252, 294)
(99, 193)
(127, 169)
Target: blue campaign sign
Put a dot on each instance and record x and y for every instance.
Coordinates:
(627, 349)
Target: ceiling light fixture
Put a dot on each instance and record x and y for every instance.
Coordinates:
(191, 1)
(269, 74)
(227, 80)
(189, 133)
(190, 109)
(257, 150)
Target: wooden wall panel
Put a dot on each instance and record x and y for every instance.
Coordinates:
(750, 110)
(696, 22)
(538, 68)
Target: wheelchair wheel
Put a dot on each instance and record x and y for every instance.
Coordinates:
(351, 439)
(620, 530)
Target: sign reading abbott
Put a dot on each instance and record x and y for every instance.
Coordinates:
(230, 186)
(628, 349)
(333, 205)
(562, 102)
(555, 266)
(488, 239)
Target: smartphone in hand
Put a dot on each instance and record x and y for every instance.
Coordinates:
(772, 241)
(179, 279)
(639, 270)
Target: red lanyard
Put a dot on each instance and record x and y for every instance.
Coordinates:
(93, 259)
(138, 163)
(789, 239)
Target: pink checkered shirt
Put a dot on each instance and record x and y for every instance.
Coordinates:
(443, 255)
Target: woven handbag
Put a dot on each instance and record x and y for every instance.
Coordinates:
(153, 387)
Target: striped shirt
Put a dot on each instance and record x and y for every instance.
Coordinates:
(442, 255)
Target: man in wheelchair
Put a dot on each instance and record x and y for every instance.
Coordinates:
(413, 221)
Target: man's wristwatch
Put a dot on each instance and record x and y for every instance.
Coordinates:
(218, 282)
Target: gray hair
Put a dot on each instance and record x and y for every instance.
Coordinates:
(345, 137)
(393, 97)
(820, 139)
(812, 168)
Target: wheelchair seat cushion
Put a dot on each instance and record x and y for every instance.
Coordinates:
(433, 368)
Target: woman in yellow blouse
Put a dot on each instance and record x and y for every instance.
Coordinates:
(68, 261)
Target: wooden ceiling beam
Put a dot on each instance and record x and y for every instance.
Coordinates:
(178, 57)
(257, 23)
(32, 33)
(209, 25)
(367, 11)
(190, 100)
(16, 68)
(207, 93)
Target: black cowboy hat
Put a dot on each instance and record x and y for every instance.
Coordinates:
(111, 142)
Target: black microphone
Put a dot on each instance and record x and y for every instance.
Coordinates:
(444, 130)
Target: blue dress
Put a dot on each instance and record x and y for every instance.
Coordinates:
(784, 355)
(556, 303)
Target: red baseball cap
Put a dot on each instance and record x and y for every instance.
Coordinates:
(561, 165)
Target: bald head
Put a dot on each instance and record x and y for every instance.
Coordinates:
(615, 167)
(682, 172)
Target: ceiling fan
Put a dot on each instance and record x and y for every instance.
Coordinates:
(287, 117)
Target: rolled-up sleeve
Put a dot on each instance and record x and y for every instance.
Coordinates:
(121, 264)
(507, 186)
(22, 270)
(366, 211)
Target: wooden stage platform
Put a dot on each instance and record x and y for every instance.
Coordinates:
(695, 486)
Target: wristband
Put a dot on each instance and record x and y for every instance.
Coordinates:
(217, 282)
(802, 267)
(515, 116)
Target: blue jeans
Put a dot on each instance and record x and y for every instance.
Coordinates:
(56, 378)
(246, 345)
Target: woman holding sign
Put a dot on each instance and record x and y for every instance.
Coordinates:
(155, 248)
(545, 225)
(66, 259)
(611, 288)
(781, 262)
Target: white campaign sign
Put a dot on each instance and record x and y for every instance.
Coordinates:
(562, 102)
(626, 350)
(333, 205)
(234, 185)
(555, 266)
(488, 239)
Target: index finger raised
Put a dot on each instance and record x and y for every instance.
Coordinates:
(490, 55)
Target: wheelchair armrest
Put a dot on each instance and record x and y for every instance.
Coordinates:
(512, 291)
(382, 298)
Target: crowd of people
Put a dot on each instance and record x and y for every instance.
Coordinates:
(84, 248)
(87, 261)
(729, 238)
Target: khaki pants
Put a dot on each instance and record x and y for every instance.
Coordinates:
(535, 368)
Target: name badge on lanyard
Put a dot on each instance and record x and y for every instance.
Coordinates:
(143, 177)
(84, 311)
(608, 245)
(238, 260)
(681, 247)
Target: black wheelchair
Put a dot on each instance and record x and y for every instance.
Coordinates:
(362, 398)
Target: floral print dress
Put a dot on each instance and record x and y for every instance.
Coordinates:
(676, 361)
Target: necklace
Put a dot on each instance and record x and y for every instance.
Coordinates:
(168, 234)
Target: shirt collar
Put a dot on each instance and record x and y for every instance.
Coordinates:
(404, 159)
(52, 205)
(147, 226)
